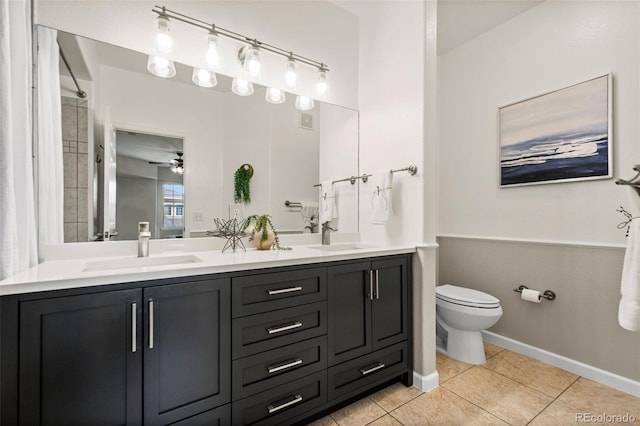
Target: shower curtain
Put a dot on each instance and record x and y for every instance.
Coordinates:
(49, 141)
(18, 238)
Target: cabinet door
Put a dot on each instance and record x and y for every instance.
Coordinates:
(81, 360)
(187, 354)
(389, 307)
(349, 330)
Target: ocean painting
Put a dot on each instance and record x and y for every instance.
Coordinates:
(557, 137)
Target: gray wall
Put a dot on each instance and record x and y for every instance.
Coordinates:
(136, 202)
(580, 324)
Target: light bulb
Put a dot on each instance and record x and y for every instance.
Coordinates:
(274, 95)
(304, 103)
(322, 84)
(164, 42)
(161, 67)
(290, 75)
(252, 63)
(212, 57)
(242, 87)
(204, 78)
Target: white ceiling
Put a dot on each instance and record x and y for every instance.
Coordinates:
(460, 20)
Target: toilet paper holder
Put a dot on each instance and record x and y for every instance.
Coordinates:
(548, 294)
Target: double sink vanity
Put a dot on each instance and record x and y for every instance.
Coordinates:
(203, 337)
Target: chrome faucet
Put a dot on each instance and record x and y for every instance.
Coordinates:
(143, 239)
(326, 233)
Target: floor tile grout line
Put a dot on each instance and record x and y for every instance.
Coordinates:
(473, 403)
(523, 384)
(554, 400)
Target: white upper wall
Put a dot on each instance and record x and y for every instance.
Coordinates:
(319, 30)
(392, 55)
(551, 46)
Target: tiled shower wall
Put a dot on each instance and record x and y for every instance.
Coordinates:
(74, 140)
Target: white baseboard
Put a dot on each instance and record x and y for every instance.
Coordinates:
(426, 383)
(596, 374)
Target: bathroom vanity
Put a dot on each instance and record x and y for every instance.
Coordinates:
(244, 338)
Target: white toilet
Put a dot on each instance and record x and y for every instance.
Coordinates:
(461, 315)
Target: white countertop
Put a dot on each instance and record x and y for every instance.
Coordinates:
(94, 271)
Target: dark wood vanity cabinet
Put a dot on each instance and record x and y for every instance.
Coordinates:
(261, 347)
(153, 355)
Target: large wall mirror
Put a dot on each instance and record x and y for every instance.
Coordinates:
(170, 150)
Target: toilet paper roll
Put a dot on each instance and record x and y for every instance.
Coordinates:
(531, 295)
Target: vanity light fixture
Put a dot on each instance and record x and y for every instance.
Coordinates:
(204, 78)
(304, 103)
(164, 41)
(275, 95)
(161, 66)
(290, 75)
(242, 87)
(322, 84)
(212, 56)
(249, 55)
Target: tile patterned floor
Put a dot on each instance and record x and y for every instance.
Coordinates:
(509, 389)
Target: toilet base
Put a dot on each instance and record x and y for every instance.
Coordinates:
(465, 346)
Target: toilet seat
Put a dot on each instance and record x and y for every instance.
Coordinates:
(466, 297)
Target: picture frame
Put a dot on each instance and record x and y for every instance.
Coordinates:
(560, 136)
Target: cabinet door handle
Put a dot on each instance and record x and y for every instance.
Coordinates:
(377, 284)
(296, 399)
(274, 330)
(288, 364)
(134, 327)
(370, 284)
(378, 366)
(150, 323)
(284, 290)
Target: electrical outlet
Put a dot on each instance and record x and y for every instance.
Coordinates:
(198, 217)
(236, 210)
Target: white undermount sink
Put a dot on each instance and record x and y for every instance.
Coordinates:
(338, 247)
(140, 262)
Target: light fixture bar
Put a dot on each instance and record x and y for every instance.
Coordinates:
(163, 11)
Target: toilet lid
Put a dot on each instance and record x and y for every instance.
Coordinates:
(466, 296)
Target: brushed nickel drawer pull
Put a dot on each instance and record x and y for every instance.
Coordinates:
(288, 364)
(370, 284)
(296, 399)
(134, 318)
(370, 370)
(284, 290)
(377, 284)
(274, 330)
(150, 323)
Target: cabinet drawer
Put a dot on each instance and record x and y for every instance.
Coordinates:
(262, 332)
(275, 406)
(368, 370)
(255, 294)
(266, 370)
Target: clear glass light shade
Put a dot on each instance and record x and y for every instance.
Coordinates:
(290, 75)
(304, 103)
(212, 56)
(204, 78)
(275, 96)
(322, 85)
(242, 87)
(161, 67)
(164, 42)
(252, 63)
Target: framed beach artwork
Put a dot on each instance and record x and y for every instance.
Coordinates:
(561, 136)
